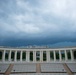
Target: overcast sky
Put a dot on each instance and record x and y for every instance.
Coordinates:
(37, 22)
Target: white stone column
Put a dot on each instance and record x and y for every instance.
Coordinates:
(60, 55)
(72, 57)
(21, 56)
(54, 56)
(15, 56)
(48, 56)
(41, 56)
(10, 55)
(3, 56)
(27, 56)
(34, 56)
(66, 56)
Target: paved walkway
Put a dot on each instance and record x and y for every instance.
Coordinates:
(8, 71)
(67, 69)
(38, 68)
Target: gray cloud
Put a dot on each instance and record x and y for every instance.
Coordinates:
(50, 21)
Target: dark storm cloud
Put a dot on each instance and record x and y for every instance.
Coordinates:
(37, 22)
(54, 41)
